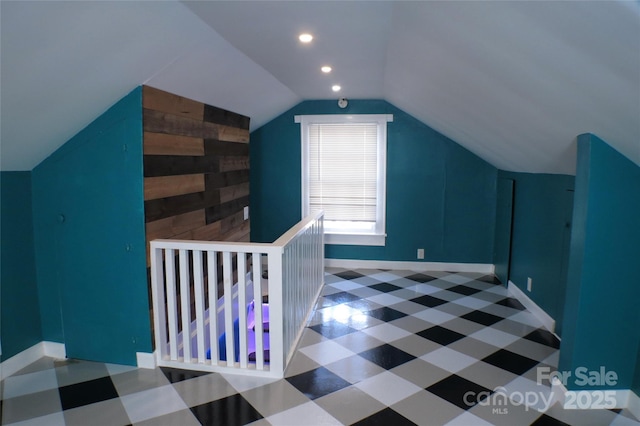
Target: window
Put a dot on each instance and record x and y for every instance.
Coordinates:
(344, 174)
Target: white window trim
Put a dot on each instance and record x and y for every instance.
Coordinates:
(378, 236)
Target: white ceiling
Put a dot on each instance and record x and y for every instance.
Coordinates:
(514, 82)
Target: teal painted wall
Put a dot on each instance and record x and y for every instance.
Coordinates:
(19, 312)
(543, 206)
(90, 239)
(440, 196)
(602, 319)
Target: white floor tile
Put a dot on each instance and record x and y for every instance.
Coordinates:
(472, 302)
(388, 388)
(467, 419)
(309, 414)
(384, 276)
(385, 299)
(386, 332)
(54, 419)
(527, 318)
(456, 279)
(494, 337)
(326, 352)
(29, 383)
(346, 285)
(152, 403)
(434, 316)
(448, 359)
(243, 383)
(424, 288)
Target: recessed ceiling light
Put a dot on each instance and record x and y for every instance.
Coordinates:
(336, 88)
(326, 69)
(305, 38)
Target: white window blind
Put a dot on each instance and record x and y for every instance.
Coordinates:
(343, 171)
(344, 174)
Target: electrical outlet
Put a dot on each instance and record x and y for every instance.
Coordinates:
(529, 284)
(420, 253)
(246, 212)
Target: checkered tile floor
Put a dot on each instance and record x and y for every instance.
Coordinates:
(382, 348)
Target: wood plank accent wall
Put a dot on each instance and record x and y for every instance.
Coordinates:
(196, 169)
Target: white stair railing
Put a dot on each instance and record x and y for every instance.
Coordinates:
(196, 327)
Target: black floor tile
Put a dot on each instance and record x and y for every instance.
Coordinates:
(384, 418)
(510, 302)
(463, 289)
(507, 360)
(460, 391)
(85, 393)
(348, 275)
(429, 301)
(421, 278)
(176, 375)
(332, 329)
(482, 317)
(545, 420)
(545, 337)
(317, 383)
(385, 287)
(440, 335)
(387, 356)
(386, 314)
(232, 410)
(342, 297)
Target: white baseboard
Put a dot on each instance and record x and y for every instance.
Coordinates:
(548, 322)
(633, 404)
(483, 268)
(146, 360)
(31, 355)
(54, 350)
(624, 398)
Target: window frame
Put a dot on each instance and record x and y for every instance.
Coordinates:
(376, 237)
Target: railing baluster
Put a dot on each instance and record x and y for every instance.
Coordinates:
(276, 345)
(242, 308)
(296, 274)
(212, 281)
(257, 299)
(172, 306)
(199, 296)
(185, 304)
(227, 273)
(159, 302)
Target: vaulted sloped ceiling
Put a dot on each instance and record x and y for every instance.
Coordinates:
(514, 82)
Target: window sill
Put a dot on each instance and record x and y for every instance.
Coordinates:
(355, 239)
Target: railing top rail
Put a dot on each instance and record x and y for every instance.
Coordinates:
(241, 247)
(298, 228)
